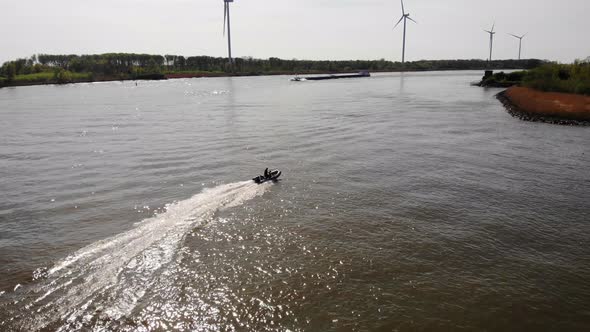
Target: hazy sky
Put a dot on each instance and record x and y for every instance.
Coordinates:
(302, 29)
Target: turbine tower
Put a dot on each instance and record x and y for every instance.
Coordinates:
(226, 21)
(405, 16)
(519, 42)
(492, 33)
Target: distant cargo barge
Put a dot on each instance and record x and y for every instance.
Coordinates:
(331, 77)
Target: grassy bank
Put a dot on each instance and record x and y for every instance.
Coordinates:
(566, 78)
(48, 77)
(574, 78)
(59, 77)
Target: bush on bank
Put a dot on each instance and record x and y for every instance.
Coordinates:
(572, 78)
(567, 78)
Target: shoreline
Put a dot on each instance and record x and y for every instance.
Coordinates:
(549, 107)
(214, 75)
(163, 77)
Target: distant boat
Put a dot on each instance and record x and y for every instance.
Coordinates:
(298, 79)
(364, 73)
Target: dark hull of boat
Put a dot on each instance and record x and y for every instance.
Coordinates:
(273, 176)
(334, 77)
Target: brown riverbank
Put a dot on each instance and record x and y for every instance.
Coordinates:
(551, 107)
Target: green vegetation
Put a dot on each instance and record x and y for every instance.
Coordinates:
(503, 79)
(46, 68)
(551, 77)
(57, 76)
(35, 77)
(574, 78)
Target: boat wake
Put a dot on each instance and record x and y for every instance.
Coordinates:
(106, 280)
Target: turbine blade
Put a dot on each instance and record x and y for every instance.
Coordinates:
(487, 31)
(513, 35)
(411, 19)
(403, 11)
(493, 25)
(398, 23)
(524, 35)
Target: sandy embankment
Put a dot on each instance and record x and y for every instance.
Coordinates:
(561, 108)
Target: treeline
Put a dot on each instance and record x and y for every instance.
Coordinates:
(132, 66)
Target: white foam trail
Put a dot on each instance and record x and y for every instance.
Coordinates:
(111, 276)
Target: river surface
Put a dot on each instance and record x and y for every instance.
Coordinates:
(407, 202)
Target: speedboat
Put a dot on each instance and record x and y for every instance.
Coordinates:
(269, 175)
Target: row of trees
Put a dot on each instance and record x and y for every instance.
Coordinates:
(130, 65)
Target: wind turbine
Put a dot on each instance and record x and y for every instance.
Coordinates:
(492, 33)
(405, 16)
(226, 19)
(519, 42)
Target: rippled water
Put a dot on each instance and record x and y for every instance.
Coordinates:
(408, 202)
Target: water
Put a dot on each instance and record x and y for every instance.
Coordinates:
(408, 202)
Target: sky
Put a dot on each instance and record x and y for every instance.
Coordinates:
(297, 29)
